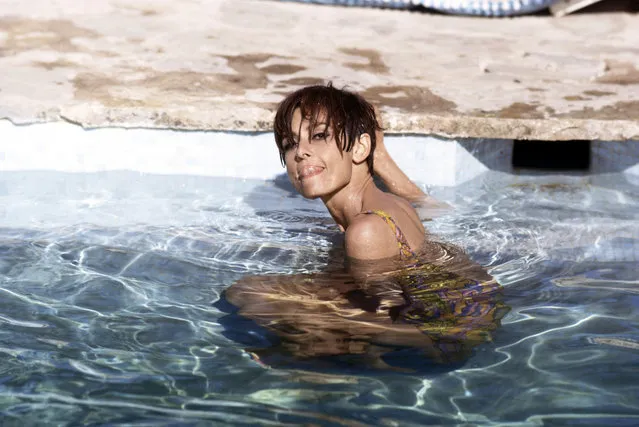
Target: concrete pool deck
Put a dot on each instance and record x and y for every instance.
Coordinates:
(224, 65)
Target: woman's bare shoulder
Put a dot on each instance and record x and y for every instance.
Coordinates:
(368, 237)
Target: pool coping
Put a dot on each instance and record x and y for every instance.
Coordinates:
(201, 66)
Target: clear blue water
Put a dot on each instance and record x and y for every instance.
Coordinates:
(109, 284)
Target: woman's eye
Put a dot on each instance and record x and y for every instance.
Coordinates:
(320, 135)
(289, 145)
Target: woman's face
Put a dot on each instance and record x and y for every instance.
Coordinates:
(315, 165)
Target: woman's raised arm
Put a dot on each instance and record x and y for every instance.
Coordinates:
(395, 180)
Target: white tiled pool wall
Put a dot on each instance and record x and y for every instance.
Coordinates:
(65, 147)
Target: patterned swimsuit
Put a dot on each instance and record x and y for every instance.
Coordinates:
(442, 303)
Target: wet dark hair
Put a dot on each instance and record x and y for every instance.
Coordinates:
(348, 115)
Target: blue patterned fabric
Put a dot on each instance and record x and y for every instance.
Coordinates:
(460, 7)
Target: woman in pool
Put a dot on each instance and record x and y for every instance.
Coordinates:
(401, 290)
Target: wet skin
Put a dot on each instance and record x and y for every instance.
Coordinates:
(318, 168)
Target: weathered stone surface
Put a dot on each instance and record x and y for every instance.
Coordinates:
(225, 64)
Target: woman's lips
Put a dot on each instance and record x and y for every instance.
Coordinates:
(309, 171)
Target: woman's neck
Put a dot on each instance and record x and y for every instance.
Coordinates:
(348, 202)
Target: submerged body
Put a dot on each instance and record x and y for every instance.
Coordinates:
(436, 300)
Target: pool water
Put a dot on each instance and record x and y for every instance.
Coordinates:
(109, 311)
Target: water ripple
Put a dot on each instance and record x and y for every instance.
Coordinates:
(110, 311)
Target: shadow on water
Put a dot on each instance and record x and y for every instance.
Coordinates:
(285, 190)
(277, 200)
(282, 182)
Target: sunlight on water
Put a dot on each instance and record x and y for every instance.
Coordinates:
(109, 284)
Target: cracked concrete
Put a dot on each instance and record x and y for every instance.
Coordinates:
(224, 65)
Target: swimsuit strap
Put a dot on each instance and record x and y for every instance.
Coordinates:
(405, 251)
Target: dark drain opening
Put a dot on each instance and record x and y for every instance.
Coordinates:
(552, 155)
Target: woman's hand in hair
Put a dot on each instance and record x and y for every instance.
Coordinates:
(398, 183)
(391, 175)
(381, 154)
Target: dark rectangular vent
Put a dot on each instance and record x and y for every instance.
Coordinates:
(552, 155)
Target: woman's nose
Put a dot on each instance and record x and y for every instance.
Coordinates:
(303, 150)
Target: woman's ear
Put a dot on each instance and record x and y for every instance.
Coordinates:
(362, 148)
